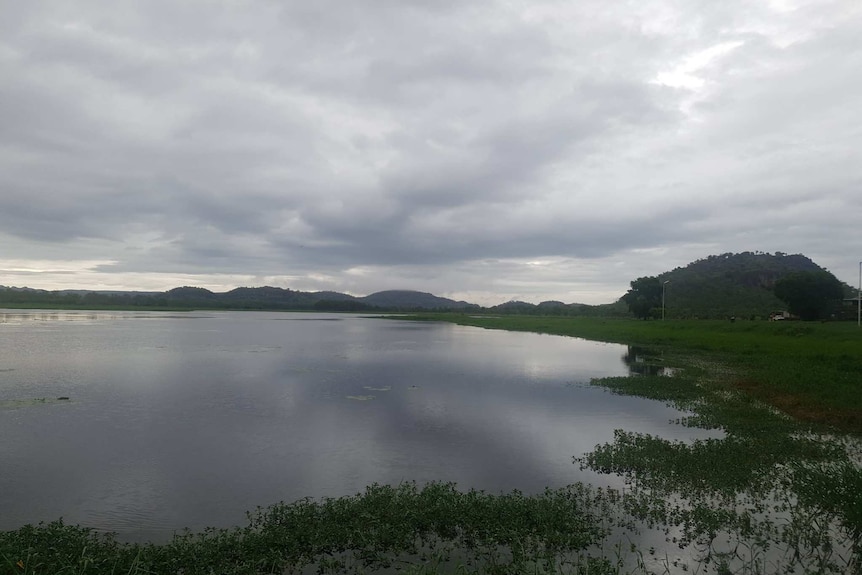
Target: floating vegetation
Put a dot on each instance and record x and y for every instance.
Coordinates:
(404, 528)
(14, 403)
(264, 349)
(384, 388)
(360, 397)
(771, 496)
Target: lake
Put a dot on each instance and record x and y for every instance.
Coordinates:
(190, 419)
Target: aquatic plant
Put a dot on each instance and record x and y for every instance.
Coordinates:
(770, 496)
(402, 527)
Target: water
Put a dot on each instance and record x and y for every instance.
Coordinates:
(189, 420)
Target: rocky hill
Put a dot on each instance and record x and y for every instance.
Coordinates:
(729, 284)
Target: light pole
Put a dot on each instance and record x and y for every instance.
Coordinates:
(859, 299)
(664, 285)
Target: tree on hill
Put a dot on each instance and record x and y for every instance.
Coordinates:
(728, 284)
(810, 295)
(644, 296)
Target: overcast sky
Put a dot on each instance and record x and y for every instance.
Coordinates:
(478, 150)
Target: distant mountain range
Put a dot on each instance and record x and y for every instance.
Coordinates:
(240, 298)
(713, 287)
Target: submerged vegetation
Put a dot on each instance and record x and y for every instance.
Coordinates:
(778, 489)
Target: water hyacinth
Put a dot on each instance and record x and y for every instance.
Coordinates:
(770, 496)
(386, 527)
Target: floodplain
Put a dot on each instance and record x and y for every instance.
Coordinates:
(767, 481)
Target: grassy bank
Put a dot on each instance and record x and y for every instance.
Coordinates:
(812, 371)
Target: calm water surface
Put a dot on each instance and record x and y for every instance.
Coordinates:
(189, 420)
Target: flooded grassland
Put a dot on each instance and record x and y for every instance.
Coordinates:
(410, 447)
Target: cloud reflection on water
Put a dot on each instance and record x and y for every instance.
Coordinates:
(173, 423)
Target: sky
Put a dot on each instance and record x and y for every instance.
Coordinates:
(480, 150)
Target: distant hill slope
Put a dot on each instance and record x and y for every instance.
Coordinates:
(258, 298)
(714, 287)
(730, 284)
(279, 298)
(407, 299)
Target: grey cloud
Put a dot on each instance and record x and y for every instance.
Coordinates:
(306, 140)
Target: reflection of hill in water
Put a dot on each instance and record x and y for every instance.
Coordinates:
(645, 361)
